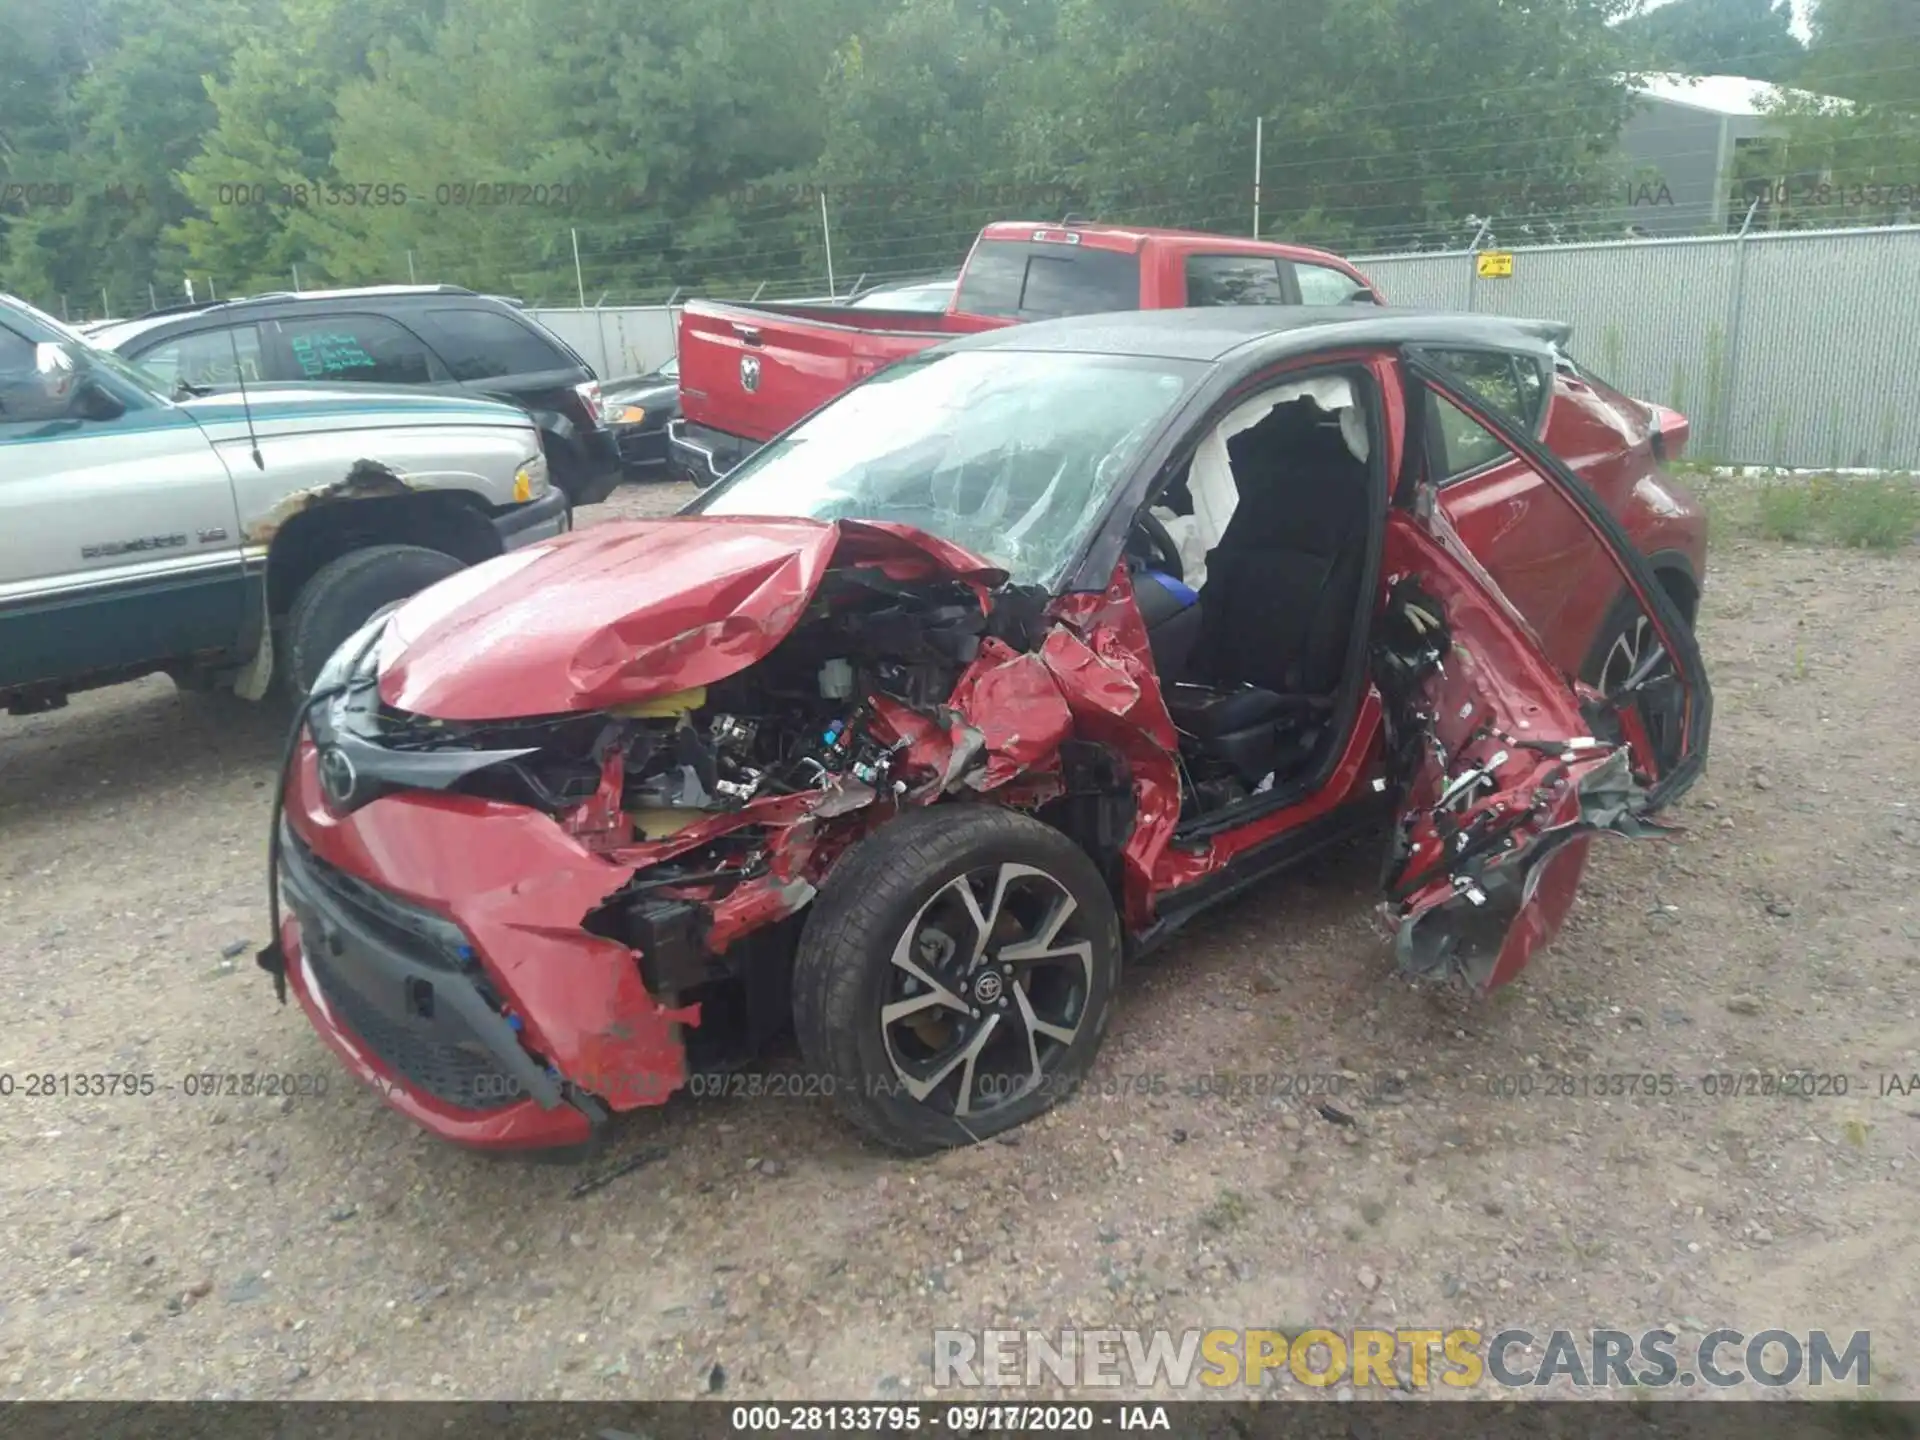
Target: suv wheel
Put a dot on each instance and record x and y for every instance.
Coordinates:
(343, 594)
(956, 975)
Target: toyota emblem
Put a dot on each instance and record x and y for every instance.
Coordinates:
(749, 373)
(337, 775)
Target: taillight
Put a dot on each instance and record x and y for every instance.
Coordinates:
(1667, 433)
(589, 393)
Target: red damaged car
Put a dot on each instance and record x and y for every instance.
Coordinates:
(973, 687)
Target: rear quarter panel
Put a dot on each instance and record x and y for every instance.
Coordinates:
(1607, 439)
(1536, 547)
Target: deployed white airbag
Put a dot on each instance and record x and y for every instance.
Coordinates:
(1210, 478)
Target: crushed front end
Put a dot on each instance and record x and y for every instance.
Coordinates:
(513, 928)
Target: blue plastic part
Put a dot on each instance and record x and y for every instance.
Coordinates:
(1179, 589)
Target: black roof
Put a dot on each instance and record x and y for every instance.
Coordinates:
(1213, 333)
(115, 333)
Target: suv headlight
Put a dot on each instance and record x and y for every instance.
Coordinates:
(530, 480)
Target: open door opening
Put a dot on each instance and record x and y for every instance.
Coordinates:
(1258, 591)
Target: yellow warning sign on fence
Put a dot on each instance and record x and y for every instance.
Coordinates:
(1493, 264)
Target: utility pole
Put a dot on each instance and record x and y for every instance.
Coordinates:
(579, 281)
(1259, 134)
(827, 233)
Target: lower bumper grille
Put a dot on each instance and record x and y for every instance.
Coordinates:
(459, 1074)
(405, 998)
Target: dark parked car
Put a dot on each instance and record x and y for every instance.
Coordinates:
(638, 408)
(436, 337)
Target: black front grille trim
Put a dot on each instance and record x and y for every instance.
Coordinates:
(425, 938)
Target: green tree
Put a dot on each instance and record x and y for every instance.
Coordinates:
(1382, 116)
(1718, 37)
(512, 134)
(1849, 151)
(926, 137)
(134, 115)
(273, 128)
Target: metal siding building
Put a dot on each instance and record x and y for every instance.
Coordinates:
(1685, 134)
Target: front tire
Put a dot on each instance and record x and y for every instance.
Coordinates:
(342, 595)
(956, 975)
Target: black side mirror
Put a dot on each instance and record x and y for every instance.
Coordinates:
(46, 392)
(96, 402)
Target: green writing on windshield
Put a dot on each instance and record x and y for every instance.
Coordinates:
(328, 354)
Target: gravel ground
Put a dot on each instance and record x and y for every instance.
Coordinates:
(181, 1246)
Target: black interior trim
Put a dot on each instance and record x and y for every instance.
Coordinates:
(1354, 673)
(1174, 908)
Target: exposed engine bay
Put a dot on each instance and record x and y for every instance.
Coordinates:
(799, 720)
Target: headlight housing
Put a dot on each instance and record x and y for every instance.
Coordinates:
(618, 414)
(530, 480)
(344, 665)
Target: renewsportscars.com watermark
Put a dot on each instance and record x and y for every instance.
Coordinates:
(1402, 1359)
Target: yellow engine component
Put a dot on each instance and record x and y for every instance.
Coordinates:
(656, 822)
(682, 702)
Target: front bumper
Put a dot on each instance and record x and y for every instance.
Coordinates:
(536, 520)
(525, 1042)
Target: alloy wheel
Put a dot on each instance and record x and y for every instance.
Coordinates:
(988, 988)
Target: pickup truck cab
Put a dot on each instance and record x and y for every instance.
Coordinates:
(232, 539)
(748, 372)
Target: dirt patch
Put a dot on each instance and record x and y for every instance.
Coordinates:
(179, 1245)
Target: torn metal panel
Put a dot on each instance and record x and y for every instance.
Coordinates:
(1501, 786)
(1102, 659)
(1013, 702)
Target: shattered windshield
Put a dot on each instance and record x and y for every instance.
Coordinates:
(1011, 454)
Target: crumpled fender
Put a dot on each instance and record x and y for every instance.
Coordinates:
(651, 608)
(1101, 657)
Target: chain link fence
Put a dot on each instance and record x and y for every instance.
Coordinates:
(1798, 349)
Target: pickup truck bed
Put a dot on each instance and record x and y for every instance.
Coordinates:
(749, 372)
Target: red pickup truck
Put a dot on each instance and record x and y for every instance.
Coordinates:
(747, 372)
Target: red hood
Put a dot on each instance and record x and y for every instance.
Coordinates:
(618, 614)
